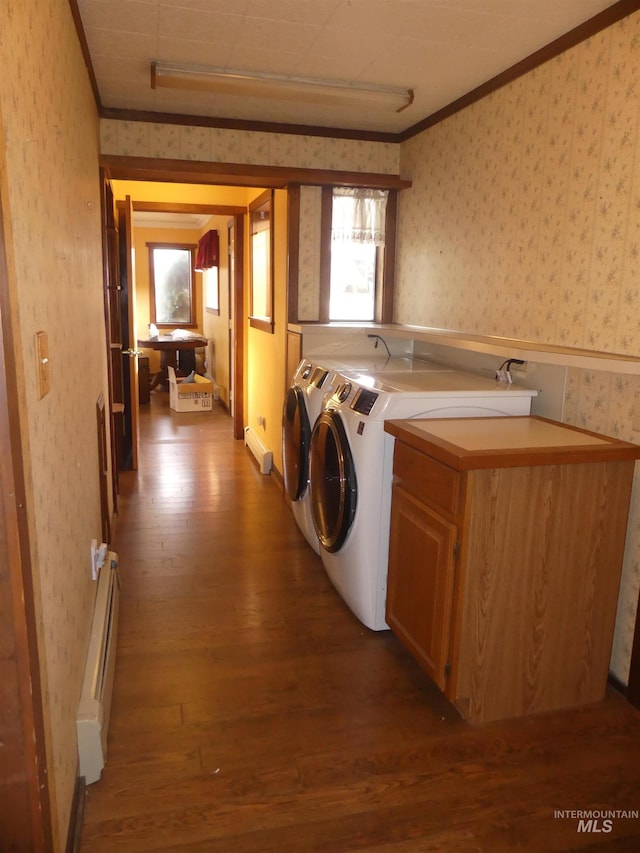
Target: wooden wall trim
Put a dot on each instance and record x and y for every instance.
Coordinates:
(77, 20)
(183, 207)
(240, 174)
(326, 219)
(574, 37)
(293, 254)
(385, 311)
(238, 321)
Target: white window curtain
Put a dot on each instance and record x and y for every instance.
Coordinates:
(359, 215)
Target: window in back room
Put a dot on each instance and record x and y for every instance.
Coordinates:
(172, 288)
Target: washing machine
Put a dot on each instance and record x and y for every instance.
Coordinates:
(374, 365)
(311, 382)
(302, 405)
(351, 467)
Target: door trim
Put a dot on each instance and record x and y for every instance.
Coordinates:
(30, 827)
(238, 323)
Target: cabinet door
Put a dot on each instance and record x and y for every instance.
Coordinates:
(420, 582)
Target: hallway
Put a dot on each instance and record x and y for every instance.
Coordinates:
(253, 714)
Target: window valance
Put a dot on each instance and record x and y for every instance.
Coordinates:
(359, 215)
(208, 251)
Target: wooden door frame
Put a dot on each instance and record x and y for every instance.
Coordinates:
(110, 285)
(25, 806)
(237, 286)
(128, 272)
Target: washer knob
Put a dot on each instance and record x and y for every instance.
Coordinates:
(343, 392)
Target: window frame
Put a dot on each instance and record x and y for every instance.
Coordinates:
(187, 247)
(385, 261)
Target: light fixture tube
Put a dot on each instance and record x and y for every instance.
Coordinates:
(252, 84)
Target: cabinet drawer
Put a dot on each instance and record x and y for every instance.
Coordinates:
(426, 479)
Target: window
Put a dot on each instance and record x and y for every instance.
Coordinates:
(171, 284)
(356, 273)
(207, 262)
(261, 258)
(357, 232)
(211, 290)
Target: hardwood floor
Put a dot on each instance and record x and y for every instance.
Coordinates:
(252, 713)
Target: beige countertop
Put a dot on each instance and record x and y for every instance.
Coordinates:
(467, 443)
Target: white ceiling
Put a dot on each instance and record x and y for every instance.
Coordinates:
(442, 49)
(155, 219)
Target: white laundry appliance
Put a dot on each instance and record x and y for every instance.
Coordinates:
(302, 405)
(374, 365)
(311, 382)
(351, 466)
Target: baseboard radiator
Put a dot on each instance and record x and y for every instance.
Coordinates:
(259, 449)
(92, 724)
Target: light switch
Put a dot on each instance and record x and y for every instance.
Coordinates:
(43, 366)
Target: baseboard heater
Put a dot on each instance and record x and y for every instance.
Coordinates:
(259, 449)
(92, 724)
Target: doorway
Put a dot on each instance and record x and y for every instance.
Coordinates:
(223, 326)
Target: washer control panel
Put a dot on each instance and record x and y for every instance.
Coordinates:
(364, 401)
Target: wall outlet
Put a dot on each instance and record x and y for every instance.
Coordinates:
(95, 571)
(98, 555)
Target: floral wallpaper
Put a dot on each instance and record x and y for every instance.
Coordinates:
(524, 221)
(145, 139)
(309, 256)
(51, 203)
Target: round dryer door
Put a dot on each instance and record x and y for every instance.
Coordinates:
(333, 481)
(296, 437)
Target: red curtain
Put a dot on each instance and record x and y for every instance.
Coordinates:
(208, 251)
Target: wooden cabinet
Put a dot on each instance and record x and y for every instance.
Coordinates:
(419, 597)
(506, 546)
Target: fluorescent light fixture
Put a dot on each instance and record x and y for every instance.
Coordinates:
(252, 84)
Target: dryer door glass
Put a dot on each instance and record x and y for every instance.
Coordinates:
(333, 481)
(296, 437)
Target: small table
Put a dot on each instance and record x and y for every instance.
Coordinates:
(168, 348)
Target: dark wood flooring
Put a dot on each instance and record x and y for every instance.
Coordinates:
(252, 713)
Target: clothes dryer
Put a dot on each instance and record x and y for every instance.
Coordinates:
(351, 463)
